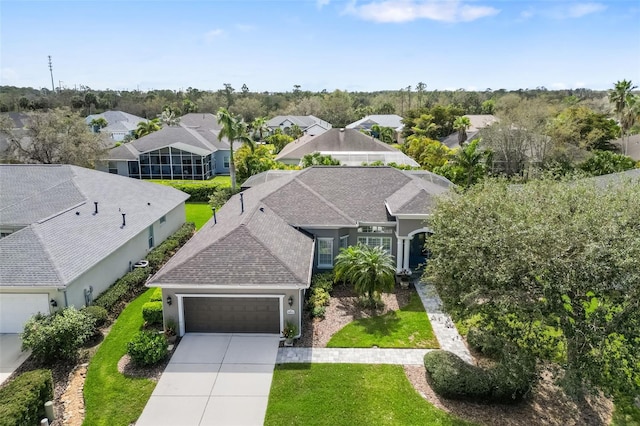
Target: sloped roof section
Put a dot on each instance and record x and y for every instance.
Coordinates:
(25, 261)
(71, 235)
(385, 120)
(117, 120)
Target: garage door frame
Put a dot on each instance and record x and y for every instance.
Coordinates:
(181, 297)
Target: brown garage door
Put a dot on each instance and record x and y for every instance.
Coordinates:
(232, 315)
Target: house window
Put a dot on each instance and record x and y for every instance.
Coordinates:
(344, 241)
(151, 236)
(375, 229)
(325, 252)
(384, 242)
(225, 161)
(113, 167)
(163, 219)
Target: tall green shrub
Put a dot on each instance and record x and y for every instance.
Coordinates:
(148, 348)
(58, 336)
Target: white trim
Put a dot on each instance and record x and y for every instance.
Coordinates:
(341, 239)
(177, 286)
(412, 216)
(418, 231)
(180, 297)
(326, 239)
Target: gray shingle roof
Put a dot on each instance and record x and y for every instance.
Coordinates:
(201, 120)
(68, 235)
(263, 246)
(385, 120)
(265, 177)
(117, 121)
(302, 121)
(345, 140)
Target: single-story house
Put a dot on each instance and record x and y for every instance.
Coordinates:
(478, 122)
(67, 233)
(248, 268)
(309, 124)
(190, 150)
(350, 146)
(393, 121)
(119, 124)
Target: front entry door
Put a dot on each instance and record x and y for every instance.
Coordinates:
(418, 254)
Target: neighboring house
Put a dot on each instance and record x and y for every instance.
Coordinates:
(632, 146)
(119, 124)
(392, 121)
(350, 146)
(190, 150)
(67, 233)
(248, 268)
(478, 122)
(310, 125)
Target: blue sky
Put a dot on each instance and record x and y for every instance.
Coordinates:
(363, 45)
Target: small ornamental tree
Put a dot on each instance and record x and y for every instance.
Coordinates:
(58, 336)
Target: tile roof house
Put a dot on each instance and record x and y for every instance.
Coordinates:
(248, 268)
(309, 124)
(67, 233)
(478, 122)
(190, 150)
(350, 146)
(119, 124)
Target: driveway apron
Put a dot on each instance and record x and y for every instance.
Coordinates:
(11, 355)
(214, 379)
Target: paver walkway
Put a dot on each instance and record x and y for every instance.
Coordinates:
(443, 328)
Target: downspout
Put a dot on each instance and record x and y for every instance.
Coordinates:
(66, 303)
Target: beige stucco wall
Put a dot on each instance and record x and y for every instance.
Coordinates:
(406, 226)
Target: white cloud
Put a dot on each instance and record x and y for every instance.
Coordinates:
(245, 27)
(409, 10)
(579, 10)
(566, 11)
(209, 36)
(322, 3)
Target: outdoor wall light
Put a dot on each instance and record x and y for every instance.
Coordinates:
(169, 301)
(290, 301)
(54, 303)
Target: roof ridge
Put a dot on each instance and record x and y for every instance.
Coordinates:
(267, 248)
(48, 188)
(49, 256)
(329, 203)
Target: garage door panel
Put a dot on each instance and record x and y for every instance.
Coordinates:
(232, 315)
(16, 309)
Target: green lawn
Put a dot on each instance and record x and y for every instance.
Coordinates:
(217, 180)
(348, 394)
(110, 397)
(198, 213)
(407, 328)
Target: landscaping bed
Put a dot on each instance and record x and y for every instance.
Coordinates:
(344, 308)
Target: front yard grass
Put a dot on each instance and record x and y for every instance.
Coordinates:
(198, 213)
(222, 181)
(348, 394)
(110, 397)
(408, 327)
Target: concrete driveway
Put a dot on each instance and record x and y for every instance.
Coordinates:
(11, 356)
(214, 379)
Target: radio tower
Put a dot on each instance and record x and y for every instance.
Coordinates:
(53, 87)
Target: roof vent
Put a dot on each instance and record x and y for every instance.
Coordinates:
(77, 213)
(342, 129)
(262, 209)
(124, 222)
(241, 202)
(95, 203)
(215, 220)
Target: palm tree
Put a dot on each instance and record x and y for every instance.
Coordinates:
(146, 127)
(371, 270)
(169, 118)
(259, 126)
(234, 130)
(622, 98)
(461, 124)
(383, 134)
(469, 158)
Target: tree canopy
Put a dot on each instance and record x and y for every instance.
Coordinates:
(551, 269)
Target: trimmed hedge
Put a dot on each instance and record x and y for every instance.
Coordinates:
(98, 313)
(132, 284)
(148, 348)
(22, 400)
(152, 312)
(156, 296)
(451, 377)
(319, 295)
(199, 192)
